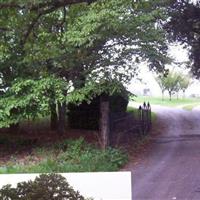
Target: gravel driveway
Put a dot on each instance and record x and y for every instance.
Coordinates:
(171, 167)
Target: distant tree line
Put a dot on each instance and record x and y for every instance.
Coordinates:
(173, 83)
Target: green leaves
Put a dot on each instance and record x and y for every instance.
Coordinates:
(173, 82)
(184, 27)
(45, 186)
(30, 98)
(56, 53)
(93, 89)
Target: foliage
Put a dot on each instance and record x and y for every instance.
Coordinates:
(46, 186)
(173, 82)
(29, 99)
(184, 26)
(184, 82)
(77, 49)
(71, 156)
(160, 79)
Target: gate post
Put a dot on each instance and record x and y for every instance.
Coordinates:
(104, 121)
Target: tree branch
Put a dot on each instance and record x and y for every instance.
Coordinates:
(34, 22)
(10, 5)
(41, 9)
(36, 7)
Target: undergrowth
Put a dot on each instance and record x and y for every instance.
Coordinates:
(69, 156)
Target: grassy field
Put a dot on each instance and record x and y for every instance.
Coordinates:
(166, 102)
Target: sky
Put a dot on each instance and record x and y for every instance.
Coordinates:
(177, 52)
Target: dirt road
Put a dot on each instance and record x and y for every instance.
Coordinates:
(171, 167)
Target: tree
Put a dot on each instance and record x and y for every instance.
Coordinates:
(169, 82)
(172, 83)
(160, 79)
(55, 54)
(184, 83)
(44, 187)
(184, 26)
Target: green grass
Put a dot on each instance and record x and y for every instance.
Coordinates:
(166, 102)
(132, 110)
(69, 156)
(135, 111)
(153, 117)
(190, 107)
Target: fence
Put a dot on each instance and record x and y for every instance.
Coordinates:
(113, 126)
(125, 125)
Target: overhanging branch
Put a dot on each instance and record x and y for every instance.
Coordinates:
(43, 5)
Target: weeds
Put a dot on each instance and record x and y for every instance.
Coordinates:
(70, 156)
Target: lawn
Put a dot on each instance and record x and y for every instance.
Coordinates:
(166, 102)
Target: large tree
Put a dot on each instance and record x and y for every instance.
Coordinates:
(44, 187)
(184, 26)
(53, 53)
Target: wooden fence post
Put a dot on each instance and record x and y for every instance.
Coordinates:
(144, 117)
(140, 119)
(149, 116)
(104, 121)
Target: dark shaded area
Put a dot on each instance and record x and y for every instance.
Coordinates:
(86, 116)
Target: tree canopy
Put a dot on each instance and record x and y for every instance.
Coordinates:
(173, 82)
(44, 187)
(54, 52)
(184, 26)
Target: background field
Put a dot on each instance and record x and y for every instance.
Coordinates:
(166, 102)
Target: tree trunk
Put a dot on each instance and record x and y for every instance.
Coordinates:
(170, 95)
(61, 117)
(183, 94)
(162, 95)
(104, 122)
(54, 116)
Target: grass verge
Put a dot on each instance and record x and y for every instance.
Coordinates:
(190, 107)
(68, 156)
